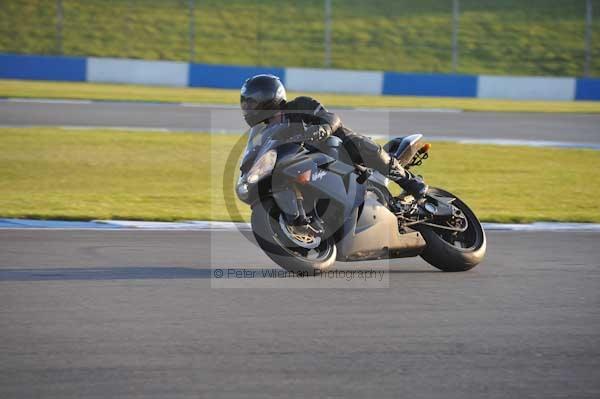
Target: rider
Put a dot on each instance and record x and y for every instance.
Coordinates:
(263, 99)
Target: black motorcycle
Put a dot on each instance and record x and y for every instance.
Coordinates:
(312, 206)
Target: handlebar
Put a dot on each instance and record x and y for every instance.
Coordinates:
(363, 173)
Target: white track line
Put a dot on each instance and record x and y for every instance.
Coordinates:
(125, 129)
(198, 225)
(454, 139)
(543, 227)
(210, 106)
(228, 226)
(45, 101)
(517, 142)
(504, 142)
(392, 110)
(119, 128)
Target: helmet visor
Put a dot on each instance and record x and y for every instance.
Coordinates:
(248, 103)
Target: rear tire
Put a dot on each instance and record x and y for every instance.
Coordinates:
(447, 257)
(273, 241)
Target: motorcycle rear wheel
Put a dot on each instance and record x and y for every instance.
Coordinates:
(454, 253)
(275, 243)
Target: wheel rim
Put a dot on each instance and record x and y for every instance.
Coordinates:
(304, 239)
(319, 252)
(468, 240)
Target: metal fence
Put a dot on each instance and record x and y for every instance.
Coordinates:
(534, 37)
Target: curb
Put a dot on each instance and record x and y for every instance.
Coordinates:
(200, 225)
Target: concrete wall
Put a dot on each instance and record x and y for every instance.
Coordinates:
(526, 88)
(116, 70)
(333, 80)
(183, 74)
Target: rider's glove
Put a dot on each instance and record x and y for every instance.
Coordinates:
(311, 133)
(314, 133)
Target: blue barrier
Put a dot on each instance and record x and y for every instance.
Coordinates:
(587, 89)
(75, 69)
(227, 76)
(71, 69)
(417, 84)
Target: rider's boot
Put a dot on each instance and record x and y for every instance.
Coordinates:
(363, 150)
(413, 185)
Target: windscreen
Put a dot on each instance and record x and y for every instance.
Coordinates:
(256, 138)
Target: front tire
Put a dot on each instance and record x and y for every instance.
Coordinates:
(446, 256)
(273, 241)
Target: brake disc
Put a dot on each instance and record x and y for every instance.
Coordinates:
(302, 236)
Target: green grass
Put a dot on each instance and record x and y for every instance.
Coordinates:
(539, 37)
(95, 91)
(95, 174)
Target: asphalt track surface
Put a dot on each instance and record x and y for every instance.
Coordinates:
(575, 128)
(128, 313)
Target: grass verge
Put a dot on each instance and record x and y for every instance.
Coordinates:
(534, 37)
(102, 174)
(97, 91)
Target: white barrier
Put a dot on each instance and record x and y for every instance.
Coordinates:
(334, 80)
(526, 88)
(115, 70)
(107, 70)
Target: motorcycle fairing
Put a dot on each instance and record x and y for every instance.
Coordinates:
(330, 180)
(374, 235)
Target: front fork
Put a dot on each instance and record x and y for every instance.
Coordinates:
(291, 203)
(302, 219)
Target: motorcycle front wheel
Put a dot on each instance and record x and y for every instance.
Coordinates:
(300, 254)
(452, 252)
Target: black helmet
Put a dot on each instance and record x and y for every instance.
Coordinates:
(262, 96)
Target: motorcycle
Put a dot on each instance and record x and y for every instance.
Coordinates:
(312, 206)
